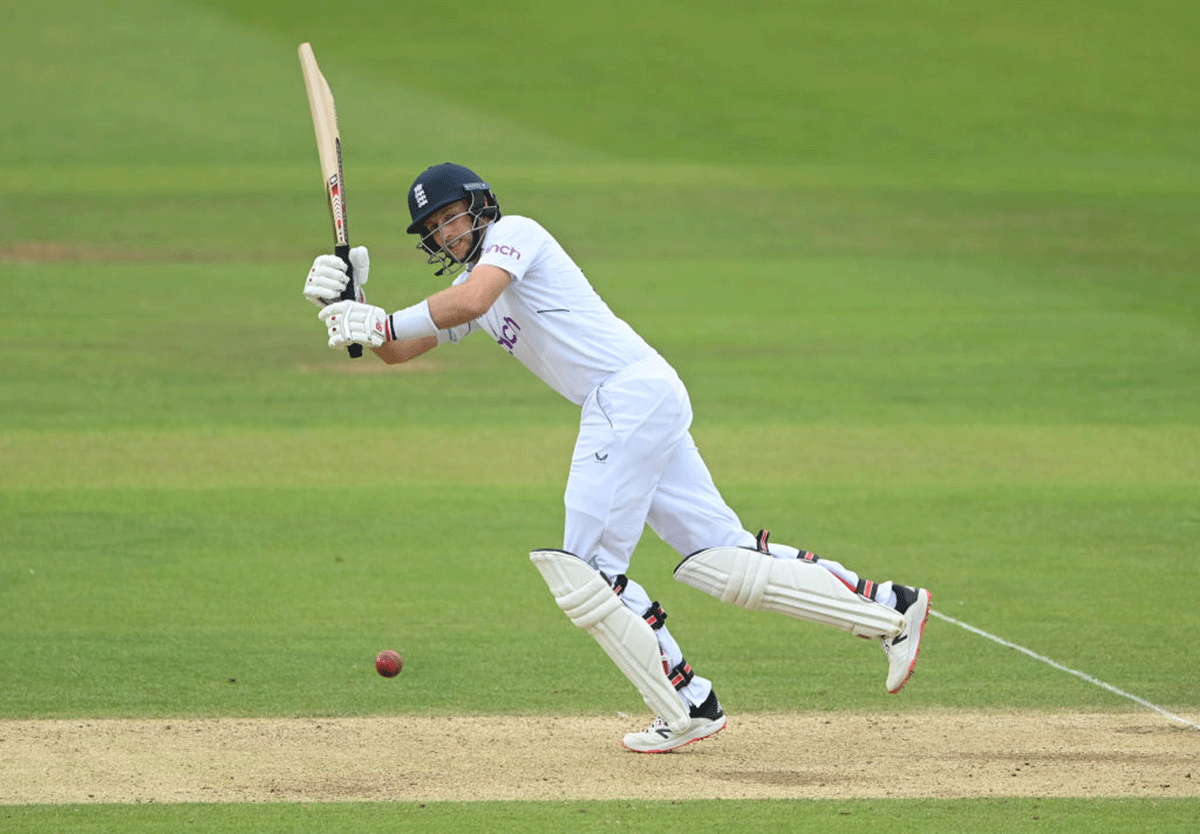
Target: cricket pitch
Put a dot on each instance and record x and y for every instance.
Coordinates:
(943, 754)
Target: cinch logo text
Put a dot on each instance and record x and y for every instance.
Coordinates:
(507, 251)
(508, 334)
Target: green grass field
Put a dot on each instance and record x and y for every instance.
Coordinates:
(930, 270)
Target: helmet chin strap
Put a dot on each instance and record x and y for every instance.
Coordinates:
(476, 243)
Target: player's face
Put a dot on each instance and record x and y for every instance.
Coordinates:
(450, 227)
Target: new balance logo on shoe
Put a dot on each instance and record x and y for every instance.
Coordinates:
(705, 720)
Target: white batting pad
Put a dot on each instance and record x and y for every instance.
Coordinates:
(800, 589)
(626, 638)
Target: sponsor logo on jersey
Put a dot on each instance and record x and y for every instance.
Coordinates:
(507, 338)
(506, 251)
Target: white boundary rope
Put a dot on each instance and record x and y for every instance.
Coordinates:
(1083, 676)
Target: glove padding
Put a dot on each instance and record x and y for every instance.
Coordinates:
(327, 278)
(351, 322)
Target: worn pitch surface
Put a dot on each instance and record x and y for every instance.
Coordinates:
(944, 754)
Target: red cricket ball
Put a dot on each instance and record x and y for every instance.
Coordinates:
(389, 663)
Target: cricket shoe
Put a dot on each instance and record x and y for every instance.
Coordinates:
(708, 719)
(901, 650)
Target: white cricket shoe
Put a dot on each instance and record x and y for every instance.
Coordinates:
(902, 649)
(708, 719)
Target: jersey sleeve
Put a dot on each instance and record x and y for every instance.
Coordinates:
(456, 334)
(513, 243)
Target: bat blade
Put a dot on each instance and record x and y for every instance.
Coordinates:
(329, 151)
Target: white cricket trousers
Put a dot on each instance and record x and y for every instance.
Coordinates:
(636, 463)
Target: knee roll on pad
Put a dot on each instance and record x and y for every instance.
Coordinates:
(590, 603)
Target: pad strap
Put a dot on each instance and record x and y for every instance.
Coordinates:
(760, 541)
(655, 616)
(618, 582)
(681, 675)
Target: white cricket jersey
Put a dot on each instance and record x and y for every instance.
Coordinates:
(550, 317)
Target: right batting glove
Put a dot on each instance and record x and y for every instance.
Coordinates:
(349, 322)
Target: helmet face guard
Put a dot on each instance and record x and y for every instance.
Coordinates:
(438, 187)
(442, 255)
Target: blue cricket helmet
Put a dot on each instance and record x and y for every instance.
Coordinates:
(441, 185)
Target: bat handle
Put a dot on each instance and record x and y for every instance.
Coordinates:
(342, 250)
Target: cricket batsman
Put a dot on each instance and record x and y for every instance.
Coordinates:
(634, 461)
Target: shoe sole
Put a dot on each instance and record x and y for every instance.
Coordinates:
(920, 640)
(724, 723)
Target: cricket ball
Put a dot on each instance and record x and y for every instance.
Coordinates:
(389, 663)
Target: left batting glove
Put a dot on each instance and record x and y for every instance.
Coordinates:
(350, 322)
(327, 278)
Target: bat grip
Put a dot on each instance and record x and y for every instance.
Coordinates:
(342, 250)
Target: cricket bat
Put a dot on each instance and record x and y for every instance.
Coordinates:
(329, 149)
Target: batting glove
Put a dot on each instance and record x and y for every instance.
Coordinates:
(327, 278)
(350, 322)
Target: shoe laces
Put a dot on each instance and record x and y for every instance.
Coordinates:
(657, 724)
